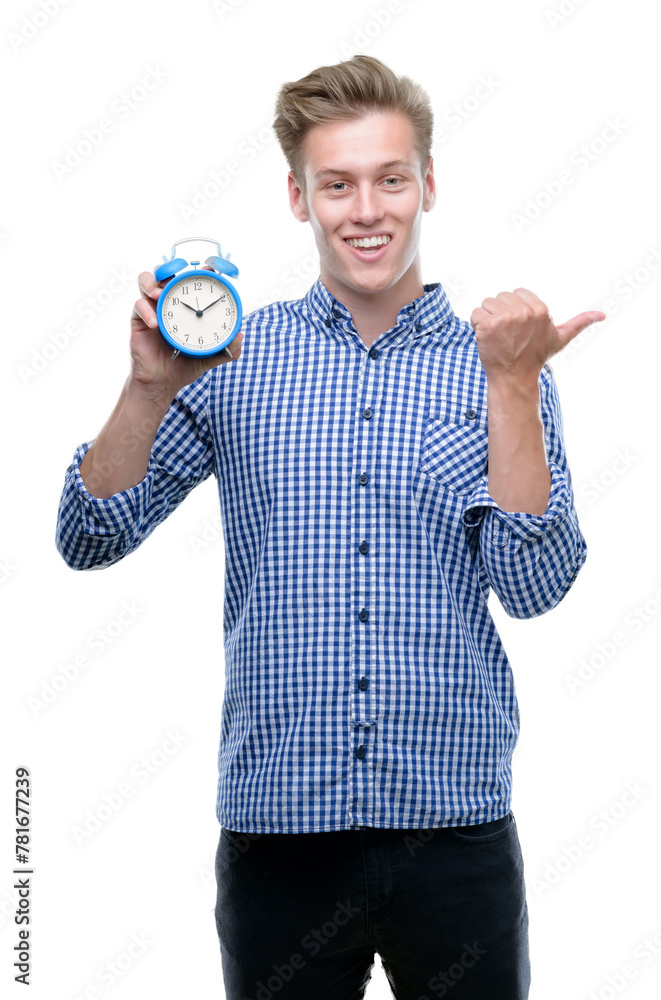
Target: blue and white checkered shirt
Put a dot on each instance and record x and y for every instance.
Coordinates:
(366, 684)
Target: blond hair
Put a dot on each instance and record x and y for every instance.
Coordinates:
(344, 92)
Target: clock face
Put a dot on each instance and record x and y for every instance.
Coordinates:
(199, 313)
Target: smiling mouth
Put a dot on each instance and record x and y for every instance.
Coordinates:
(368, 243)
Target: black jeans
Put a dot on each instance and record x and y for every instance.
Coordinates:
(300, 916)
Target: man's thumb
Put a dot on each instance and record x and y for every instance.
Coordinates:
(573, 327)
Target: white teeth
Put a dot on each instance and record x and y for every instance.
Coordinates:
(369, 241)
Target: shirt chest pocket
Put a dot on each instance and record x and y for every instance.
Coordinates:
(454, 443)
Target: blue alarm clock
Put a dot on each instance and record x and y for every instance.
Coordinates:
(199, 311)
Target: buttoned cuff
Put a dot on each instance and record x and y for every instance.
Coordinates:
(113, 514)
(524, 526)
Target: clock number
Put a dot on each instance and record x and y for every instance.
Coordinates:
(200, 340)
(228, 312)
(184, 289)
(186, 338)
(170, 314)
(216, 336)
(198, 286)
(175, 301)
(175, 329)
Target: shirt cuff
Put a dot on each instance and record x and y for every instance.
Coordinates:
(524, 526)
(111, 515)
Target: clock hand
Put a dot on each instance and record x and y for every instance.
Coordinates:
(213, 303)
(198, 312)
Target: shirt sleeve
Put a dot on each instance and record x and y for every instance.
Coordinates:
(530, 560)
(92, 532)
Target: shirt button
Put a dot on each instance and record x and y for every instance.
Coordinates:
(363, 683)
(328, 321)
(363, 548)
(418, 327)
(360, 752)
(471, 414)
(367, 413)
(364, 479)
(337, 314)
(363, 615)
(374, 353)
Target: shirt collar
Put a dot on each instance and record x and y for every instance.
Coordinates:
(430, 313)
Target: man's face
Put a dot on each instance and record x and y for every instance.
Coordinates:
(364, 181)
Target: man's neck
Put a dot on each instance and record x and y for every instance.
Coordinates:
(375, 313)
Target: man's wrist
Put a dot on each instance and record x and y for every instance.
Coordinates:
(509, 385)
(145, 398)
(513, 400)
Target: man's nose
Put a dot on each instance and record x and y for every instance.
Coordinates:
(366, 207)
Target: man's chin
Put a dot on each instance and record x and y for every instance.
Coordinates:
(372, 283)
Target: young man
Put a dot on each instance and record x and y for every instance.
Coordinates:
(381, 466)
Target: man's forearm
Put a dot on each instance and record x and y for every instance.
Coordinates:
(519, 479)
(118, 458)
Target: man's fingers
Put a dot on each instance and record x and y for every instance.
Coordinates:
(530, 298)
(483, 314)
(567, 331)
(511, 301)
(144, 310)
(478, 316)
(148, 285)
(490, 305)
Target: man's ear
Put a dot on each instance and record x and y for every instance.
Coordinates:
(429, 198)
(297, 199)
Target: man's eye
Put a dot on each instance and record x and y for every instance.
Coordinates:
(338, 186)
(392, 181)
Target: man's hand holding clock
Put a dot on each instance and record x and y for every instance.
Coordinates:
(118, 458)
(153, 371)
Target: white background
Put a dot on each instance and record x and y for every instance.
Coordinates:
(557, 72)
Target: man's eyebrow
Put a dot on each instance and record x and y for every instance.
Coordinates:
(390, 165)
